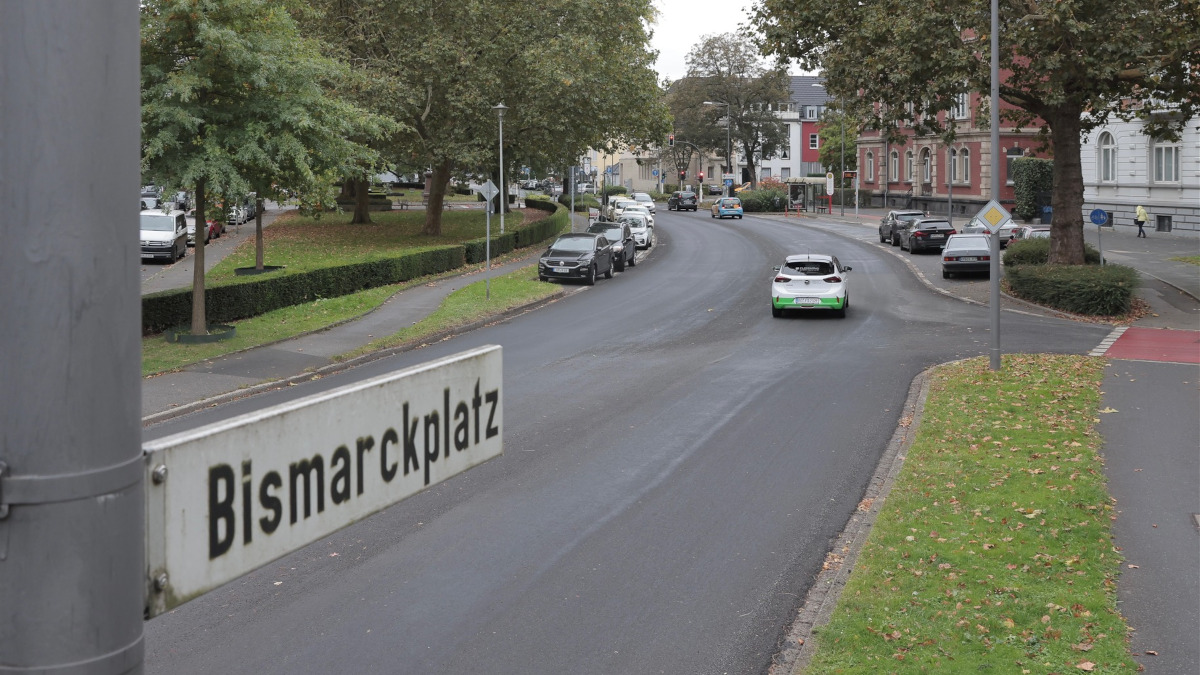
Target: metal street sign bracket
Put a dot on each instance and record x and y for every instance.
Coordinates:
(67, 486)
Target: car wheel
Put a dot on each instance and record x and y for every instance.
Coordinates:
(882, 238)
(712, 215)
(739, 217)
(541, 278)
(946, 275)
(608, 273)
(591, 277)
(895, 240)
(650, 238)
(633, 258)
(776, 311)
(621, 267)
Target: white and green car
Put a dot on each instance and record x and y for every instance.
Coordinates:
(810, 282)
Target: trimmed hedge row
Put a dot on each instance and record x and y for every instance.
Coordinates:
(757, 201)
(230, 302)
(1080, 289)
(1037, 252)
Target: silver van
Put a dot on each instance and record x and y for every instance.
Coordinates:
(163, 234)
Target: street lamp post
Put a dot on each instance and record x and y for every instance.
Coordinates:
(728, 144)
(500, 108)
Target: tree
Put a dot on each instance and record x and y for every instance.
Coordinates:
(725, 69)
(232, 100)
(838, 134)
(1070, 66)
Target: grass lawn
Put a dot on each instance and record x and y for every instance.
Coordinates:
(470, 304)
(1192, 259)
(993, 552)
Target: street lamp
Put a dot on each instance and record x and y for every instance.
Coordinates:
(500, 108)
(728, 146)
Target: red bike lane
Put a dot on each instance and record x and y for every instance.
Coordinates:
(1157, 344)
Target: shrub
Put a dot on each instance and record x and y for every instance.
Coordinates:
(1080, 289)
(582, 202)
(758, 201)
(614, 190)
(1032, 177)
(475, 251)
(1037, 252)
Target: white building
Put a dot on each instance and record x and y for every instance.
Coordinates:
(1123, 167)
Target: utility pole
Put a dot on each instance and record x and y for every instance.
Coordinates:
(72, 498)
(994, 268)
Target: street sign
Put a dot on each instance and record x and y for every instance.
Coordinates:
(654, 173)
(727, 176)
(995, 214)
(234, 495)
(829, 183)
(1099, 216)
(489, 190)
(728, 181)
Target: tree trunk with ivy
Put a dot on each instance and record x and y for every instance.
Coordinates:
(438, 183)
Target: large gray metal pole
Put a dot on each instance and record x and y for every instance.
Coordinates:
(994, 294)
(71, 494)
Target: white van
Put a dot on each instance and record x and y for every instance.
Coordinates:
(163, 234)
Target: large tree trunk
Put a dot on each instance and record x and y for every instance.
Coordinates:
(437, 197)
(258, 238)
(1066, 229)
(362, 214)
(199, 323)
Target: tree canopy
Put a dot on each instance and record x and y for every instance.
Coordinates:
(1070, 66)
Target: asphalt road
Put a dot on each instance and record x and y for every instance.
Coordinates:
(676, 463)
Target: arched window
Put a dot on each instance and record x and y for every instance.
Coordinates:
(1108, 158)
(952, 165)
(870, 173)
(964, 161)
(894, 167)
(926, 166)
(908, 166)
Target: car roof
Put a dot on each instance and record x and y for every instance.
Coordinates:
(577, 235)
(968, 235)
(809, 257)
(909, 213)
(160, 212)
(642, 194)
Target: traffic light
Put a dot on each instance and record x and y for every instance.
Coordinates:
(671, 140)
(682, 175)
(700, 176)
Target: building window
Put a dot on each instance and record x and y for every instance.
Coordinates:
(908, 166)
(1010, 155)
(894, 167)
(952, 165)
(1166, 163)
(785, 173)
(1108, 158)
(813, 140)
(959, 109)
(964, 161)
(870, 177)
(766, 173)
(926, 166)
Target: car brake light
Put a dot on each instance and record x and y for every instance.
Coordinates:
(782, 279)
(834, 279)
(956, 232)
(948, 258)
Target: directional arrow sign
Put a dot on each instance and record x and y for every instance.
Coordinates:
(995, 214)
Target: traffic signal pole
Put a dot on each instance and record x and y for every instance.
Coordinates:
(72, 564)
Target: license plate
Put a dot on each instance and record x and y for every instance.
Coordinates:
(806, 301)
(561, 270)
(968, 258)
(937, 236)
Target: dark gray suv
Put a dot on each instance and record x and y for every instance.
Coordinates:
(682, 199)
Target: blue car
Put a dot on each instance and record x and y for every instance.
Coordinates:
(727, 207)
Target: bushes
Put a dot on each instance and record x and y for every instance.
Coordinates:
(1032, 177)
(1081, 289)
(759, 201)
(582, 202)
(614, 190)
(1037, 252)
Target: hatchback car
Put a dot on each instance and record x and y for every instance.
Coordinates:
(681, 200)
(577, 256)
(620, 235)
(643, 231)
(925, 234)
(616, 205)
(1031, 232)
(638, 208)
(977, 226)
(727, 207)
(716, 189)
(891, 223)
(810, 282)
(644, 199)
(966, 253)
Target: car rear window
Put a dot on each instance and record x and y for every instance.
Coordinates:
(809, 267)
(963, 242)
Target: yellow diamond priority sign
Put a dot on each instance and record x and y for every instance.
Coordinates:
(994, 213)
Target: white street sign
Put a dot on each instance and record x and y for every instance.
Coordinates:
(829, 183)
(489, 190)
(237, 494)
(727, 176)
(995, 214)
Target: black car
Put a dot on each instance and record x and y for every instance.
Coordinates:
(577, 256)
(889, 227)
(620, 235)
(682, 199)
(925, 234)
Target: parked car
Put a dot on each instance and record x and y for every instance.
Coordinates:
(638, 208)
(163, 234)
(149, 203)
(645, 200)
(716, 189)
(681, 200)
(585, 188)
(977, 226)
(577, 256)
(643, 231)
(966, 253)
(890, 223)
(1031, 232)
(727, 207)
(620, 235)
(213, 230)
(616, 205)
(924, 234)
(810, 281)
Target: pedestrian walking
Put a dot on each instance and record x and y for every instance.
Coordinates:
(1140, 219)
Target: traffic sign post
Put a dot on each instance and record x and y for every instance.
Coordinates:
(231, 496)
(996, 215)
(489, 190)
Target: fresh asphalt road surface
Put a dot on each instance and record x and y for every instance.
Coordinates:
(676, 463)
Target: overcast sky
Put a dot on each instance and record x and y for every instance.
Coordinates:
(681, 24)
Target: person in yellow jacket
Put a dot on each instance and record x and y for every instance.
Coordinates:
(1140, 219)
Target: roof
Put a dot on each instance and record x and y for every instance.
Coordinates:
(804, 93)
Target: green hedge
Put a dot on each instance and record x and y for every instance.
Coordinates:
(240, 300)
(1037, 252)
(582, 202)
(1031, 177)
(758, 201)
(614, 190)
(1080, 289)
